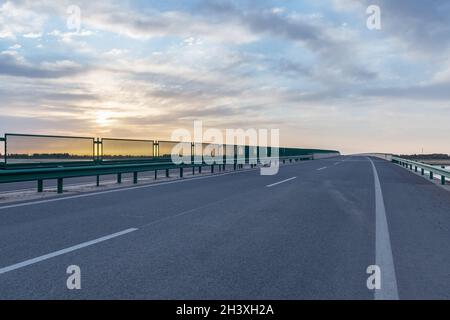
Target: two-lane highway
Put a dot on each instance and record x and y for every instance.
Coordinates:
(309, 232)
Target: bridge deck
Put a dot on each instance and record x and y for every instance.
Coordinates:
(233, 236)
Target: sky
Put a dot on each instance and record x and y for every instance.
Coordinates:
(312, 69)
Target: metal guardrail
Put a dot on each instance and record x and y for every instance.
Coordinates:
(60, 173)
(409, 164)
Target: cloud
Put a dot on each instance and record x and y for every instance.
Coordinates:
(150, 24)
(16, 19)
(116, 52)
(320, 75)
(11, 64)
(32, 35)
(427, 92)
(322, 39)
(421, 25)
(69, 36)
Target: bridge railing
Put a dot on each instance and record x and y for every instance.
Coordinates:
(112, 149)
(61, 173)
(415, 165)
(28, 150)
(43, 157)
(31, 151)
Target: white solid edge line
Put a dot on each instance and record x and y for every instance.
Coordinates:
(64, 251)
(383, 251)
(279, 182)
(91, 194)
(323, 168)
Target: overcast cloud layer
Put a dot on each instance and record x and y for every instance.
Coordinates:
(140, 69)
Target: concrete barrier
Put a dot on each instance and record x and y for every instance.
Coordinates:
(384, 156)
(317, 156)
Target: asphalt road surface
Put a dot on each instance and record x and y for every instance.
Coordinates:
(309, 232)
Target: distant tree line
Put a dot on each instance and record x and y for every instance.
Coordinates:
(68, 156)
(125, 156)
(432, 156)
(46, 156)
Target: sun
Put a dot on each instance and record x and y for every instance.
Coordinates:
(103, 118)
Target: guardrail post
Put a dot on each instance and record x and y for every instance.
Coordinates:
(181, 172)
(290, 160)
(410, 166)
(135, 177)
(415, 169)
(234, 166)
(224, 167)
(167, 173)
(156, 174)
(422, 171)
(60, 185)
(98, 180)
(119, 178)
(212, 168)
(431, 175)
(284, 161)
(193, 170)
(443, 180)
(200, 169)
(40, 185)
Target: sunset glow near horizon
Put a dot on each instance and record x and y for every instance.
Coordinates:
(141, 69)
